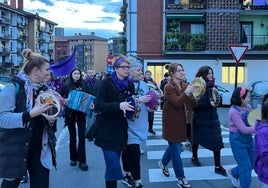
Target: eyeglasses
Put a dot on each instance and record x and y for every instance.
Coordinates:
(124, 67)
(180, 70)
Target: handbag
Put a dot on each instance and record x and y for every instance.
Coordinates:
(91, 129)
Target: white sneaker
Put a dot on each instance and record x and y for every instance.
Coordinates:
(164, 169)
(183, 183)
(234, 181)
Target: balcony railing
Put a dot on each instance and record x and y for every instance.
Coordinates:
(50, 51)
(41, 40)
(22, 38)
(51, 30)
(5, 20)
(186, 4)
(4, 52)
(253, 7)
(260, 42)
(21, 25)
(195, 42)
(5, 36)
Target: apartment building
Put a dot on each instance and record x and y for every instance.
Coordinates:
(19, 30)
(91, 50)
(199, 32)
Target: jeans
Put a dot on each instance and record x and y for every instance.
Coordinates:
(113, 170)
(243, 152)
(173, 153)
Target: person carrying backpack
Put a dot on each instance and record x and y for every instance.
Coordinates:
(26, 134)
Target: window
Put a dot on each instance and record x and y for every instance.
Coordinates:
(157, 72)
(254, 2)
(197, 28)
(3, 29)
(228, 73)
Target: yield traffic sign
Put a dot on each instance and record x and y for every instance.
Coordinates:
(238, 51)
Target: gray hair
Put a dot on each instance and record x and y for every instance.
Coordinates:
(135, 64)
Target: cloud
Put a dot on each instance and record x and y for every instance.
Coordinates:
(79, 14)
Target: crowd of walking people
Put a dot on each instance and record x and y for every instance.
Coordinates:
(27, 130)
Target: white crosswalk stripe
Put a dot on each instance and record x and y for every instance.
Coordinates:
(205, 172)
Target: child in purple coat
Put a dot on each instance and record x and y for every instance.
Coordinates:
(261, 144)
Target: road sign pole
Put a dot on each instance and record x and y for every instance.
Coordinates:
(236, 75)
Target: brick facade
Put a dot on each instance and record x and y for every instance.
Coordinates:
(150, 28)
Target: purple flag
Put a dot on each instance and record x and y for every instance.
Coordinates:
(64, 67)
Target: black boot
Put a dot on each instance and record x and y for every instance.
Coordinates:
(111, 184)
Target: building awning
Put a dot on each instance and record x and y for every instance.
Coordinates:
(186, 16)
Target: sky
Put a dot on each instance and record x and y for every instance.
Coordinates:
(80, 16)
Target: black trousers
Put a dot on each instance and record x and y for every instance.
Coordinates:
(216, 154)
(150, 120)
(39, 175)
(77, 153)
(131, 160)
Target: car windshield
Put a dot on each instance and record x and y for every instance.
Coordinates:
(2, 85)
(222, 89)
(5, 78)
(260, 88)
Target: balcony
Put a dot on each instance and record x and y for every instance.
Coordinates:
(22, 38)
(41, 40)
(51, 30)
(19, 50)
(4, 52)
(5, 36)
(50, 51)
(7, 64)
(5, 20)
(21, 25)
(181, 42)
(186, 4)
(249, 6)
(259, 42)
(185, 42)
(43, 51)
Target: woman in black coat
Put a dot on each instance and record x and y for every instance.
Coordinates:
(206, 124)
(111, 103)
(73, 117)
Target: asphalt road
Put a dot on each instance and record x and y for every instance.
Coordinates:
(72, 177)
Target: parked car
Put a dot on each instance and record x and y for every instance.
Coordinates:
(5, 78)
(2, 85)
(225, 95)
(258, 89)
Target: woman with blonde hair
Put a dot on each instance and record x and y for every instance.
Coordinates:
(27, 137)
